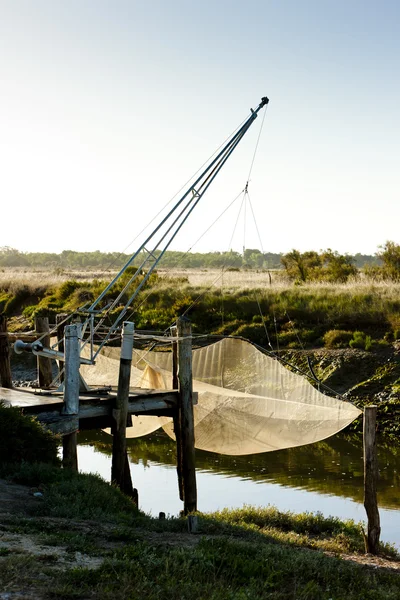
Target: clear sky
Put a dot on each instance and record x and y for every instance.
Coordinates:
(107, 108)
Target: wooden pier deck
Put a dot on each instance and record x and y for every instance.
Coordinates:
(95, 407)
(68, 411)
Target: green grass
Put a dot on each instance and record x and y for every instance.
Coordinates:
(223, 568)
(243, 553)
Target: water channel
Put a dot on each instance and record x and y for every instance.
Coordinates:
(325, 477)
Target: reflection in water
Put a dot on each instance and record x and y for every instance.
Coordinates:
(334, 466)
(325, 477)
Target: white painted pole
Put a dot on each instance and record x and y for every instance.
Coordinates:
(72, 363)
(71, 392)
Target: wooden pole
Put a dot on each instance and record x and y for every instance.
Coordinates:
(61, 324)
(5, 365)
(44, 364)
(371, 480)
(71, 391)
(70, 454)
(186, 420)
(177, 414)
(120, 471)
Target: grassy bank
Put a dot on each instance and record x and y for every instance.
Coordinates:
(280, 315)
(96, 544)
(70, 535)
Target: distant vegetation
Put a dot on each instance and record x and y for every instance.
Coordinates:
(250, 259)
(69, 259)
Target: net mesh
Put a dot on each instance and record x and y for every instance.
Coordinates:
(247, 401)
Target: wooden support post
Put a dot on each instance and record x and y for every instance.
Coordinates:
(70, 453)
(371, 480)
(186, 420)
(5, 366)
(44, 364)
(176, 417)
(174, 333)
(61, 324)
(120, 470)
(71, 391)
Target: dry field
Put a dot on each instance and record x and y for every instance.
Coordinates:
(14, 278)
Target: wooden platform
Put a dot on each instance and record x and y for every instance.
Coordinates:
(95, 407)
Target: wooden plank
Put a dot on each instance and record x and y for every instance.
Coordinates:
(139, 403)
(24, 336)
(27, 398)
(371, 480)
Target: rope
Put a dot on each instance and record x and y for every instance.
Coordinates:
(256, 148)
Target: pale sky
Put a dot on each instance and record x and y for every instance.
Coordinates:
(107, 108)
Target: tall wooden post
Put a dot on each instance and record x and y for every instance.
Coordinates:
(371, 480)
(71, 392)
(177, 414)
(120, 471)
(5, 366)
(186, 420)
(44, 364)
(61, 324)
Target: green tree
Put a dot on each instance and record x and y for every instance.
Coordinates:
(337, 268)
(301, 266)
(390, 256)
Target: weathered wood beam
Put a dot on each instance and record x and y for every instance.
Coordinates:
(177, 414)
(120, 470)
(44, 364)
(371, 475)
(5, 365)
(186, 420)
(61, 324)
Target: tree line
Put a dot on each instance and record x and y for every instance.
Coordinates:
(326, 265)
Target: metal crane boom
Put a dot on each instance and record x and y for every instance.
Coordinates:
(159, 239)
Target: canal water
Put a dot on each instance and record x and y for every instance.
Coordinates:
(325, 477)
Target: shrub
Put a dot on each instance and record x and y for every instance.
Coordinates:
(15, 302)
(78, 298)
(360, 340)
(337, 338)
(29, 311)
(49, 306)
(67, 288)
(4, 298)
(22, 439)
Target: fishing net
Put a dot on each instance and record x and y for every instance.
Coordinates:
(247, 401)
